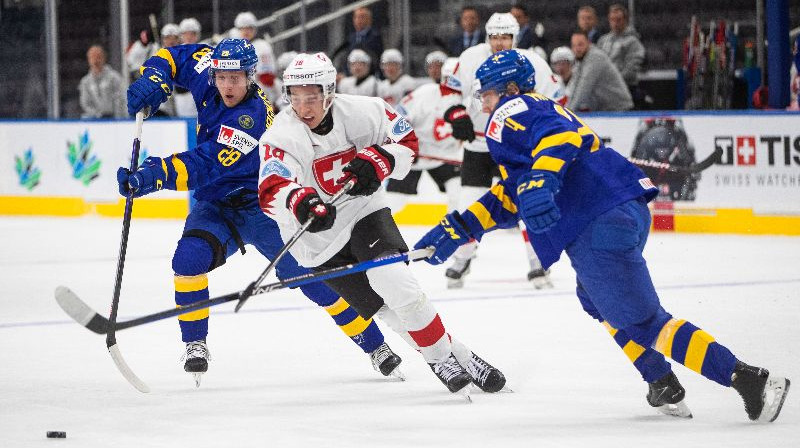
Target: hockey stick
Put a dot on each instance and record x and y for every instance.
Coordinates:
(713, 158)
(93, 321)
(111, 337)
(288, 245)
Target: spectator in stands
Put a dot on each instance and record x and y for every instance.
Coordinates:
(364, 37)
(596, 83)
(361, 81)
(140, 51)
(587, 21)
(471, 32)
(561, 60)
(622, 46)
(170, 35)
(528, 37)
(433, 65)
(245, 23)
(102, 93)
(190, 30)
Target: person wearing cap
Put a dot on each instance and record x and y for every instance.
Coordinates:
(361, 81)
(561, 60)
(245, 23)
(433, 65)
(395, 84)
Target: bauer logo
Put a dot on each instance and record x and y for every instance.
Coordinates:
(236, 138)
(758, 150)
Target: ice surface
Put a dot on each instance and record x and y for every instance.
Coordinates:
(283, 375)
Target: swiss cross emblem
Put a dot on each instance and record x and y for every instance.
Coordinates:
(746, 150)
(327, 170)
(441, 129)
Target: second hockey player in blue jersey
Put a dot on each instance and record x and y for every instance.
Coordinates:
(223, 170)
(578, 196)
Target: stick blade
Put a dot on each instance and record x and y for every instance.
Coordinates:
(126, 371)
(80, 311)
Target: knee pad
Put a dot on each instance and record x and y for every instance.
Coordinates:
(197, 254)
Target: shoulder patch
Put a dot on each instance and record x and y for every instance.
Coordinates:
(246, 121)
(401, 127)
(510, 108)
(236, 138)
(276, 167)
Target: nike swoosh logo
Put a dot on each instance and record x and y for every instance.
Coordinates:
(374, 243)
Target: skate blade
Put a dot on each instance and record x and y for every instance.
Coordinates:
(397, 373)
(678, 409)
(465, 393)
(197, 377)
(455, 284)
(774, 395)
(542, 283)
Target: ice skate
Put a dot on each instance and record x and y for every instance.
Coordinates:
(762, 393)
(540, 278)
(451, 374)
(196, 356)
(484, 375)
(667, 396)
(456, 272)
(385, 361)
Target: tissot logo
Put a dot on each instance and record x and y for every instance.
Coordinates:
(762, 150)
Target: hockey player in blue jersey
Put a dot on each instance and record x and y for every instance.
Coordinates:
(577, 195)
(223, 171)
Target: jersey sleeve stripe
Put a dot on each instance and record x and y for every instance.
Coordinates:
(500, 193)
(182, 179)
(571, 137)
(167, 56)
(482, 215)
(548, 163)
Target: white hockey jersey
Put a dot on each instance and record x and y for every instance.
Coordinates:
(393, 92)
(468, 63)
(292, 156)
(424, 109)
(367, 87)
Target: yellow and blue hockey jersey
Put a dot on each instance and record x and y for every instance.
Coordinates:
(226, 157)
(529, 133)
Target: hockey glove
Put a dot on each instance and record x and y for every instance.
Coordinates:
(459, 119)
(445, 238)
(537, 206)
(370, 167)
(150, 90)
(306, 204)
(148, 178)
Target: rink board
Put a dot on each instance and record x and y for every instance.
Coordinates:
(754, 189)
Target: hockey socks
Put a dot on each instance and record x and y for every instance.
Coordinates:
(364, 333)
(697, 350)
(188, 290)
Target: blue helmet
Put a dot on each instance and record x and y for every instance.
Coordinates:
(505, 67)
(233, 54)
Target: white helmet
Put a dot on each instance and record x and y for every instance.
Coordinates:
(449, 78)
(285, 59)
(358, 55)
(245, 20)
(190, 25)
(308, 70)
(435, 56)
(502, 23)
(170, 29)
(562, 54)
(392, 55)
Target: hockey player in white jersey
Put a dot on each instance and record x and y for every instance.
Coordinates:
(396, 83)
(439, 153)
(361, 80)
(469, 123)
(245, 23)
(311, 150)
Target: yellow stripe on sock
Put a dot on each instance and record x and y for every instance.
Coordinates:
(667, 334)
(357, 326)
(696, 352)
(611, 330)
(193, 315)
(633, 350)
(191, 284)
(337, 307)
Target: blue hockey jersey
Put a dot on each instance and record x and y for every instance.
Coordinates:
(531, 133)
(226, 157)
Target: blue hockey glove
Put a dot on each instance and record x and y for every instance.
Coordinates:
(150, 90)
(148, 178)
(445, 238)
(537, 206)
